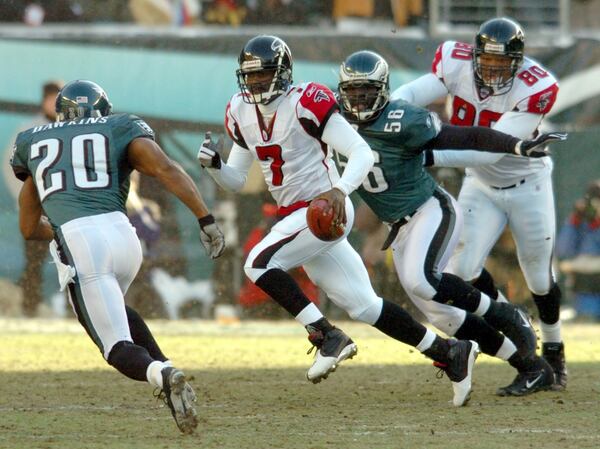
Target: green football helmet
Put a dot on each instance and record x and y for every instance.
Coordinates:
(81, 98)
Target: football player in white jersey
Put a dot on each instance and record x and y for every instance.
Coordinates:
(287, 128)
(493, 84)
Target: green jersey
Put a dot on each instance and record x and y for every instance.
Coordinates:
(80, 167)
(398, 184)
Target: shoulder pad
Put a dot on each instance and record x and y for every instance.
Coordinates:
(315, 105)
(535, 89)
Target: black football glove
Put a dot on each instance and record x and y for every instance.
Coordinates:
(538, 147)
(207, 153)
(211, 236)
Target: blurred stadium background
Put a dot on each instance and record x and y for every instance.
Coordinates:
(173, 63)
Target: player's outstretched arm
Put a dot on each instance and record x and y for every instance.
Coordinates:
(149, 159)
(485, 139)
(33, 225)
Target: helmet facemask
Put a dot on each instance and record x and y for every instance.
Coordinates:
(262, 85)
(363, 98)
(495, 70)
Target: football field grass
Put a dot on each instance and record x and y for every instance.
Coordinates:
(56, 391)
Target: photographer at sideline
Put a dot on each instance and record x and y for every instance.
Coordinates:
(578, 246)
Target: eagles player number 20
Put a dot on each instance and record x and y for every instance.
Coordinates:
(375, 181)
(85, 175)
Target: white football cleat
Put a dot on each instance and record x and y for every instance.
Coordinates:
(332, 348)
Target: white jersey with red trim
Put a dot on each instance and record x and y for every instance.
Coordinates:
(534, 91)
(296, 164)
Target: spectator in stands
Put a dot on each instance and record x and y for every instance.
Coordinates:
(578, 244)
(36, 252)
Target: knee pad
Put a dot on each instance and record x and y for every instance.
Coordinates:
(369, 314)
(548, 305)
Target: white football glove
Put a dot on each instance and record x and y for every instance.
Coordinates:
(208, 155)
(211, 236)
(537, 147)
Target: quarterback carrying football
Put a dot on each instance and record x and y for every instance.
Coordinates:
(288, 128)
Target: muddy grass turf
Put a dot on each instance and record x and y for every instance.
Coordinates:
(57, 392)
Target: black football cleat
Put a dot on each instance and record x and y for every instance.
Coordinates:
(514, 323)
(333, 347)
(538, 377)
(459, 369)
(180, 398)
(554, 353)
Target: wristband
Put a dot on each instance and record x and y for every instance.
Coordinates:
(206, 220)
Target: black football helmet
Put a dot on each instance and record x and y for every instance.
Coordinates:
(364, 86)
(81, 98)
(268, 55)
(501, 37)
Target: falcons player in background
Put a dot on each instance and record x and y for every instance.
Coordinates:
(493, 84)
(287, 129)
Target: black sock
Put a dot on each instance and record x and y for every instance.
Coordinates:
(130, 359)
(395, 322)
(284, 290)
(453, 291)
(485, 284)
(438, 350)
(548, 305)
(142, 336)
(519, 363)
(475, 328)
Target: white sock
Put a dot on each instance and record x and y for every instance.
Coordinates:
(507, 349)
(484, 305)
(550, 332)
(154, 375)
(309, 314)
(427, 341)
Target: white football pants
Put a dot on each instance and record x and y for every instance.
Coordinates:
(333, 266)
(528, 209)
(106, 254)
(421, 251)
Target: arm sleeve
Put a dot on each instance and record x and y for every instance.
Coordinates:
(233, 174)
(345, 140)
(462, 158)
(422, 91)
(518, 124)
(474, 138)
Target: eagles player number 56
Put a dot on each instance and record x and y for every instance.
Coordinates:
(394, 127)
(375, 181)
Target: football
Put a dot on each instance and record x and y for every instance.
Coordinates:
(320, 221)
